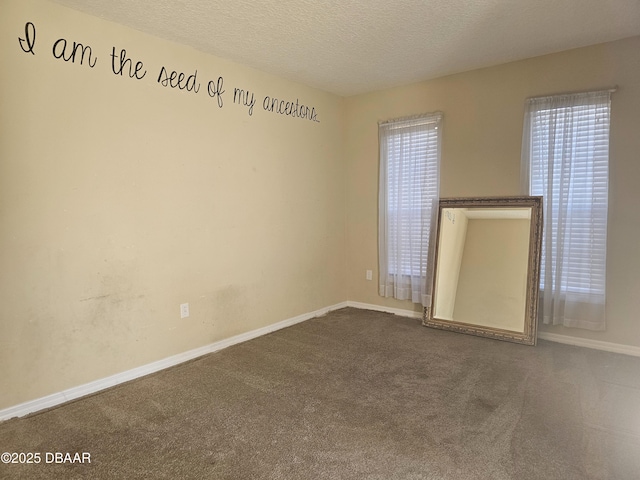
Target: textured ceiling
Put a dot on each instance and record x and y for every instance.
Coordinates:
(355, 46)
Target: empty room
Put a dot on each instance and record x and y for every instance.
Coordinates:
(317, 240)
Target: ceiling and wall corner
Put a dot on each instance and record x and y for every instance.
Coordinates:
(359, 46)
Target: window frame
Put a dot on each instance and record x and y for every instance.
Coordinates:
(410, 150)
(585, 119)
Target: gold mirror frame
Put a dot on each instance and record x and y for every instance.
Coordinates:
(528, 336)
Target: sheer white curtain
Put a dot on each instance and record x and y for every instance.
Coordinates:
(565, 158)
(408, 205)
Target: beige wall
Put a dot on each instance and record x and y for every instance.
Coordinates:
(482, 132)
(121, 199)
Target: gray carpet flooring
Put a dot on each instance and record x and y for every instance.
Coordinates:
(354, 395)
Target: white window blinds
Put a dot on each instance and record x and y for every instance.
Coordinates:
(409, 180)
(566, 160)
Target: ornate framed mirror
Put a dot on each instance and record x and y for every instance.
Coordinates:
(487, 267)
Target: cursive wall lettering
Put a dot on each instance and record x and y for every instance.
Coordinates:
(29, 38)
(272, 104)
(177, 80)
(118, 66)
(241, 97)
(60, 52)
(76, 52)
(215, 90)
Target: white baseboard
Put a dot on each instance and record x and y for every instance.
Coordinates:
(98, 385)
(595, 344)
(95, 386)
(552, 337)
(379, 308)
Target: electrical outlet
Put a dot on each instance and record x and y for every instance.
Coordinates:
(184, 310)
(369, 275)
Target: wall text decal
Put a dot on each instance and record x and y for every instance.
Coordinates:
(123, 62)
(215, 89)
(72, 51)
(62, 50)
(29, 38)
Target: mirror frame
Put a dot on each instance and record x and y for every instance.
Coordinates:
(529, 335)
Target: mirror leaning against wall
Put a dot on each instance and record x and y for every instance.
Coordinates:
(487, 267)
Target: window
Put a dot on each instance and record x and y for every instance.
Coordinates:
(566, 160)
(409, 182)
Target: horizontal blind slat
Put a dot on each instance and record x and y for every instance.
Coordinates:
(569, 157)
(412, 185)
